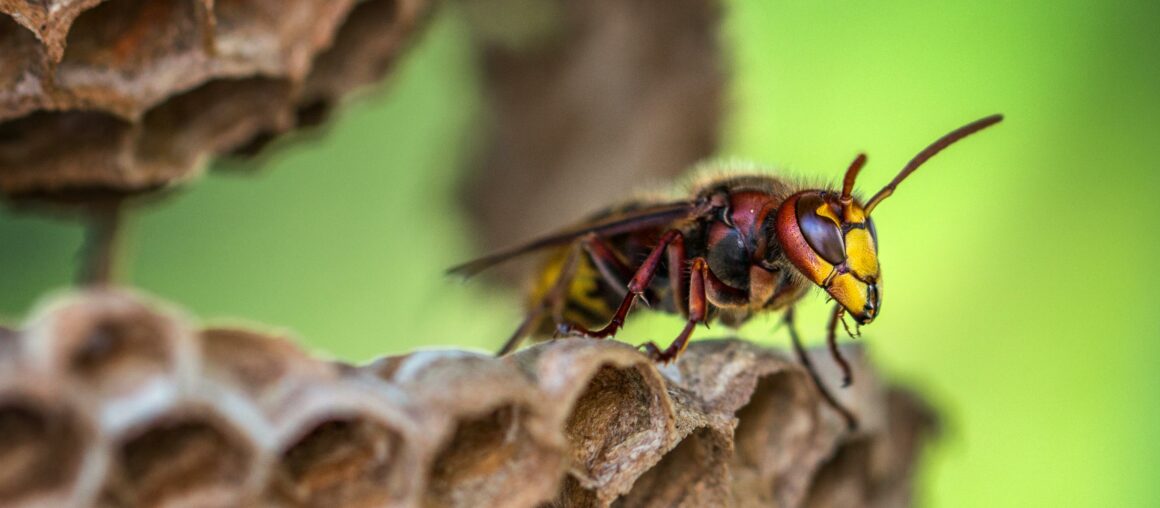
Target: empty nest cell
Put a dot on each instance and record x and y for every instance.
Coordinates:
(123, 55)
(618, 414)
(217, 116)
(271, 36)
(32, 161)
(695, 473)
(877, 470)
(113, 346)
(116, 354)
(781, 412)
(340, 461)
(843, 480)
(182, 460)
(43, 449)
(263, 367)
(132, 35)
(775, 439)
(21, 69)
(364, 47)
(50, 20)
(490, 460)
(492, 442)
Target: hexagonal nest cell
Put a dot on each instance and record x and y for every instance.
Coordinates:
(42, 449)
(183, 460)
(257, 421)
(486, 462)
(615, 416)
(22, 68)
(341, 461)
(132, 96)
(775, 435)
(694, 473)
(110, 345)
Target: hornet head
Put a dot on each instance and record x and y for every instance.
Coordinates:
(830, 238)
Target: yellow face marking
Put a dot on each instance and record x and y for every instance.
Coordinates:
(848, 291)
(861, 258)
(854, 214)
(827, 212)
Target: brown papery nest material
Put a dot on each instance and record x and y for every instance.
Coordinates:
(119, 97)
(108, 398)
(585, 102)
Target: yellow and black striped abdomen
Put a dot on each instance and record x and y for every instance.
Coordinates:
(587, 298)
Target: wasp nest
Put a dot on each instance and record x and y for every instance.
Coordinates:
(107, 399)
(586, 101)
(141, 91)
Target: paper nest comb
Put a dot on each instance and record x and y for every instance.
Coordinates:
(109, 399)
(142, 91)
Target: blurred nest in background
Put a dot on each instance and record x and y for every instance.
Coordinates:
(588, 102)
(120, 97)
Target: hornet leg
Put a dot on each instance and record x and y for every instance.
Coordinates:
(832, 341)
(698, 311)
(636, 287)
(604, 258)
(553, 299)
(851, 420)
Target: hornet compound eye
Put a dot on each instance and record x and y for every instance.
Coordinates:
(821, 232)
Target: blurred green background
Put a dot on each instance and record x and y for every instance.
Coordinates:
(1009, 298)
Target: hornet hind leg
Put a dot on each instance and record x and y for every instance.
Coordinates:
(612, 270)
(636, 289)
(851, 420)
